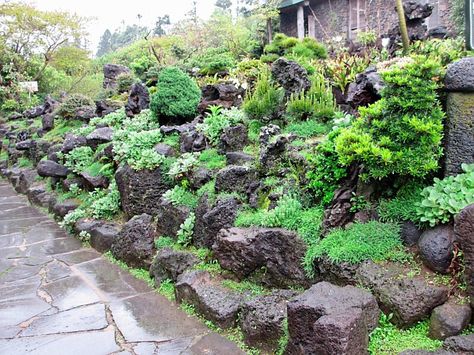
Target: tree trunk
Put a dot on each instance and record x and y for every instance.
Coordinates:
(403, 26)
(269, 30)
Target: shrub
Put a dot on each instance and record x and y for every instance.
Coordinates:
(444, 51)
(401, 133)
(106, 203)
(125, 82)
(214, 124)
(447, 197)
(307, 48)
(325, 172)
(177, 95)
(264, 103)
(214, 60)
(72, 104)
(316, 103)
(342, 69)
(10, 106)
(370, 241)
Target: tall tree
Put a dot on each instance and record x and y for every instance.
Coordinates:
(28, 31)
(225, 5)
(105, 43)
(160, 24)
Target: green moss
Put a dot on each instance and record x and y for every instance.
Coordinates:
(403, 206)
(167, 289)
(307, 129)
(172, 140)
(212, 160)
(387, 339)
(25, 163)
(246, 287)
(61, 127)
(370, 241)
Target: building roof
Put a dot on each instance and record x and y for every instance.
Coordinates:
(288, 3)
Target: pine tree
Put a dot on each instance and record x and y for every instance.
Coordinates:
(162, 21)
(224, 4)
(105, 44)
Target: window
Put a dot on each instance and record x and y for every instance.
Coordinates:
(357, 19)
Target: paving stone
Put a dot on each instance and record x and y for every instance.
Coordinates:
(53, 296)
(75, 320)
(90, 343)
(70, 292)
(150, 317)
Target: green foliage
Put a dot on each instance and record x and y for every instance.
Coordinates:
(125, 82)
(164, 242)
(444, 51)
(183, 165)
(179, 196)
(24, 163)
(79, 159)
(447, 197)
(177, 95)
(167, 289)
(134, 142)
(374, 240)
(308, 47)
(403, 206)
(212, 160)
(61, 127)
(214, 124)
(10, 105)
(343, 68)
(325, 172)
(264, 102)
(387, 339)
(105, 204)
(213, 60)
(316, 103)
(68, 108)
(247, 287)
(186, 230)
(284, 339)
(289, 214)
(401, 133)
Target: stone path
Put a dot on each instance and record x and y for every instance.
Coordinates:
(57, 297)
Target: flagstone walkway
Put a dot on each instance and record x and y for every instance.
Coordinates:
(57, 297)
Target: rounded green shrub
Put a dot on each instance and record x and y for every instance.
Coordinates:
(177, 95)
(124, 82)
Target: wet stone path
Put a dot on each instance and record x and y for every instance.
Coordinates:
(57, 297)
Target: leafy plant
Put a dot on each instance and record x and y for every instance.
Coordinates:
(387, 339)
(79, 159)
(177, 95)
(342, 69)
(179, 196)
(264, 102)
(370, 241)
(213, 125)
(186, 230)
(401, 133)
(316, 103)
(447, 197)
(183, 165)
(124, 82)
(308, 47)
(134, 143)
(105, 204)
(325, 171)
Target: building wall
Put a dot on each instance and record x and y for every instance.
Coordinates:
(288, 22)
(333, 17)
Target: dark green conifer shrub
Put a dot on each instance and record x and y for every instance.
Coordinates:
(177, 95)
(68, 108)
(399, 135)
